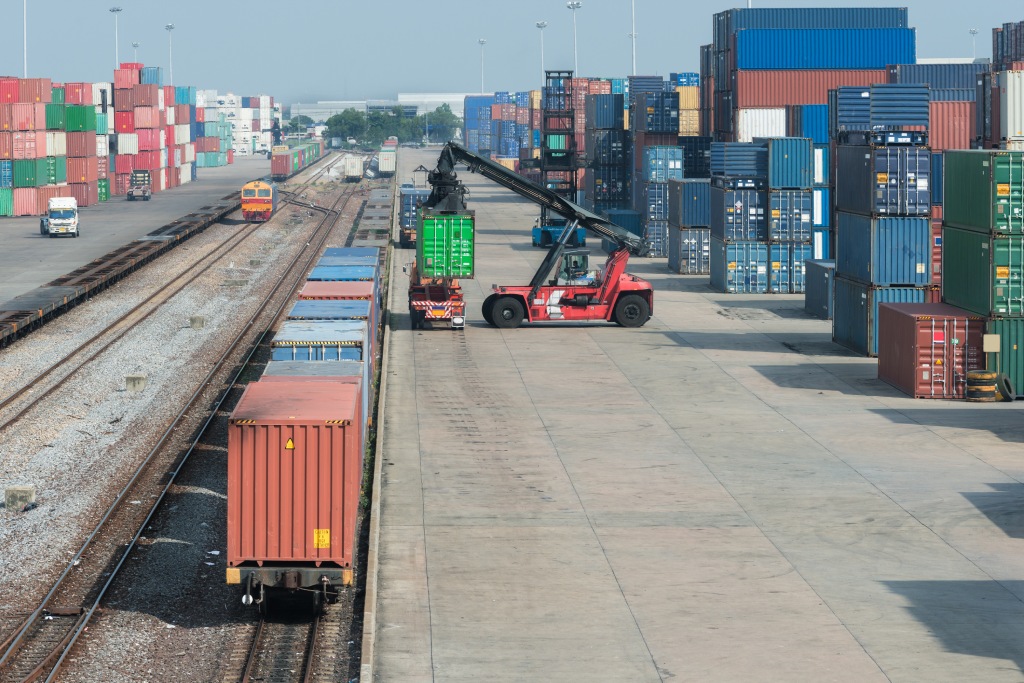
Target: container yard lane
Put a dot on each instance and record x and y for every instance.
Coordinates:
(29, 260)
(722, 494)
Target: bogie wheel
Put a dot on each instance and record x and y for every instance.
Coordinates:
(507, 312)
(488, 308)
(632, 310)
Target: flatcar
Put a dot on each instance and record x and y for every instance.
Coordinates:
(259, 201)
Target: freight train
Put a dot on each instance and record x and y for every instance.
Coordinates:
(287, 160)
(298, 435)
(259, 201)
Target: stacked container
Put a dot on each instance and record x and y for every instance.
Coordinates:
(790, 206)
(654, 121)
(477, 118)
(607, 154)
(983, 246)
(689, 221)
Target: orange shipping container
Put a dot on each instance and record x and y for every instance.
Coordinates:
(6, 145)
(780, 88)
(83, 170)
(336, 291)
(952, 125)
(295, 464)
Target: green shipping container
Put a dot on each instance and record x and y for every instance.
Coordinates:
(104, 185)
(984, 191)
(446, 244)
(6, 201)
(54, 170)
(101, 123)
(26, 172)
(57, 95)
(80, 118)
(1010, 359)
(983, 273)
(55, 119)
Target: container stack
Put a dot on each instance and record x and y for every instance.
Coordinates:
(883, 228)
(656, 158)
(689, 221)
(477, 118)
(251, 120)
(687, 87)
(607, 154)
(983, 247)
(790, 205)
(764, 59)
(739, 227)
(811, 121)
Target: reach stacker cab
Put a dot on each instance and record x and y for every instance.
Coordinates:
(560, 289)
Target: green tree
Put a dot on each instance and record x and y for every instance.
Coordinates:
(298, 124)
(441, 124)
(348, 124)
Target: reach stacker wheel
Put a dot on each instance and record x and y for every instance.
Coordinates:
(507, 312)
(632, 311)
(488, 308)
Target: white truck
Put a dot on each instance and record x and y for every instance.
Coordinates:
(61, 217)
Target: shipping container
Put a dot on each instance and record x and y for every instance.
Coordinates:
(926, 350)
(728, 22)
(608, 184)
(895, 106)
(790, 215)
(855, 312)
(653, 202)
(1010, 359)
(661, 164)
(790, 162)
(321, 340)
(760, 123)
(738, 214)
(807, 120)
(736, 159)
(446, 244)
(936, 75)
(626, 218)
(689, 202)
(849, 109)
(819, 48)
(819, 287)
(689, 250)
(658, 238)
(1011, 104)
(821, 207)
(604, 112)
(937, 178)
(883, 180)
(607, 147)
(983, 273)
(739, 267)
(886, 251)
(696, 155)
(6, 201)
(343, 273)
(985, 191)
(330, 310)
(821, 242)
(657, 112)
(773, 88)
(295, 468)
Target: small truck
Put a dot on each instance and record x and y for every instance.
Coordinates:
(61, 217)
(140, 186)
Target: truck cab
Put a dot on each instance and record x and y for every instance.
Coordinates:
(61, 217)
(140, 186)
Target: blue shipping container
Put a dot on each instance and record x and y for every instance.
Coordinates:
(656, 113)
(689, 250)
(819, 287)
(786, 267)
(822, 243)
(626, 218)
(342, 273)
(696, 155)
(334, 340)
(821, 208)
(791, 215)
(6, 174)
(607, 148)
(952, 94)
(810, 121)
(655, 206)
(790, 162)
(893, 251)
(608, 184)
(938, 76)
(849, 108)
(739, 159)
(738, 215)
(884, 181)
(605, 112)
(855, 314)
(657, 236)
(152, 75)
(739, 267)
(840, 48)
(895, 106)
(358, 309)
(689, 202)
(661, 164)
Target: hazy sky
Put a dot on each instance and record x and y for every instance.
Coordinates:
(341, 49)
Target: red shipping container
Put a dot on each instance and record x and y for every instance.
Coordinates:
(231, 156)
(147, 95)
(9, 89)
(87, 194)
(779, 88)
(134, 66)
(535, 118)
(925, 350)
(83, 170)
(126, 78)
(149, 139)
(124, 163)
(255, 125)
(148, 161)
(29, 144)
(82, 144)
(280, 164)
(522, 116)
(78, 93)
(168, 137)
(278, 429)
(48, 192)
(26, 201)
(23, 116)
(936, 247)
(337, 291)
(182, 114)
(37, 90)
(6, 145)
(173, 177)
(952, 125)
(200, 115)
(147, 117)
(122, 181)
(169, 96)
(124, 100)
(495, 112)
(102, 167)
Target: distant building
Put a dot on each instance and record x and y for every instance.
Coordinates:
(412, 104)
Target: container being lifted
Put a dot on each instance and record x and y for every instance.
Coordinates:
(445, 252)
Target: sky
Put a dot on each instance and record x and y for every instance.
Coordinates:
(373, 49)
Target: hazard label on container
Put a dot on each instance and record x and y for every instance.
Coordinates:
(321, 538)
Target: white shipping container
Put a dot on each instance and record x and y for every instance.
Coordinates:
(56, 144)
(163, 159)
(160, 99)
(201, 100)
(97, 95)
(1015, 144)
(102, 145)
(186, 173)
(177, 157)
(264, 101)
(181, 133)
(163, 139)
(820, 167)
(1011, 104)
(760, 123)
(386, 160)
(190, 153)
(170, 116)
(161, 175)
(127, 143)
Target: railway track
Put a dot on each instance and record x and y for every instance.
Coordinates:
(40, 644)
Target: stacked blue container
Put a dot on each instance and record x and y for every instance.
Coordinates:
(656, 114)
(883, 205)
(607, 153)
(689, 221)
(739, 227)
(477, 117)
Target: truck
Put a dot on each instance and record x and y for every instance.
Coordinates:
(565, 287)
(387, 161)
(140, 186)
(61, 217)
(445, 252)
(353, 167)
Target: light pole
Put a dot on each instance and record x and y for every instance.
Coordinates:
(135, 52)
(24, 43)
(574, 5)
(974, 42)
(632, 35)
(117, 58)
(170, 54)
(482, 41)
(542, 25)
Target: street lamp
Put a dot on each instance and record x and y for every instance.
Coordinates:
(170, 54)
(574, 5)
(135, 52)
(632, 35)
(117, 58)
(542, 25)
(482, 41)
(974, 42)
(24, 17)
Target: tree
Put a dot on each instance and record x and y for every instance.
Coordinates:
(298, 124)
(441, 124)
(348, 124)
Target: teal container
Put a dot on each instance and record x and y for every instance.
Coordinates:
(53, 170)
(1010, 359)
(26, 172)
(6, 201)
(80, 118)
(104, 189)
(101, 123)
(55, 116)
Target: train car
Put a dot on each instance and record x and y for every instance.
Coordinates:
(259, 201)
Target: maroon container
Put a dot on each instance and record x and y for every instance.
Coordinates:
(925, 350)
(124, 100)
(122, 181)
(83, 170)
(952, 125)
(47, 192)
(36, 90)
(937, 247)
(87, 194)
(779, 88)
(78, 93)
(81, 144)
(147, 95)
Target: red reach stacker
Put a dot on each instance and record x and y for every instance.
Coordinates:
(565, 287)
